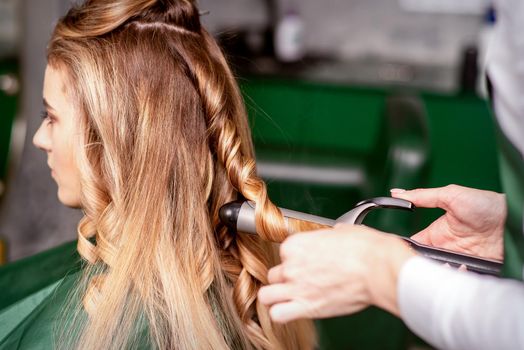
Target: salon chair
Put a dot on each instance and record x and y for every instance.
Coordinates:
(406, 165)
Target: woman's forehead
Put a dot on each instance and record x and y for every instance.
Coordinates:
(54, 91)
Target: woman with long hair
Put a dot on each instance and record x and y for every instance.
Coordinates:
(145, 130)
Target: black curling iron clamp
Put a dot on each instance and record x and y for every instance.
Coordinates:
(240, 216)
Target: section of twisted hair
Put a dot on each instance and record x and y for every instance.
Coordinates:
(228, 169)
(246, 258)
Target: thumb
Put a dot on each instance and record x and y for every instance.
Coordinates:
(422, 197)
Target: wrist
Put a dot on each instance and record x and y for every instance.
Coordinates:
(390, 257)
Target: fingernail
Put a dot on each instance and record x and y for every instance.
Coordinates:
(397, 190)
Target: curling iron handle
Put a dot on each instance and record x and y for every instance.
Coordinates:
(472, 263)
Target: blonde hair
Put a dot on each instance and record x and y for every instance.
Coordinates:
(165, 143)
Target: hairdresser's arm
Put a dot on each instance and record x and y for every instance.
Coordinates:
(338, 272)
(335, 272)
(454, 309)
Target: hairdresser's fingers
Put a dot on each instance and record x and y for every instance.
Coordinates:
(423, 236)
(424, 197)
(286, 312)
(275, 274)
(275, 293)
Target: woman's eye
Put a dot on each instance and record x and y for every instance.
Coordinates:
(46, 117)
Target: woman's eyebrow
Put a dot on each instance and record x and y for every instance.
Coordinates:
(47, 105)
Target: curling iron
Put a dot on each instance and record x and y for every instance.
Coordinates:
(240, 216)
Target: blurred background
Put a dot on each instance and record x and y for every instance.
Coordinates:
(346, 99)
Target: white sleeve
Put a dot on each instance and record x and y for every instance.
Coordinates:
(453, 309)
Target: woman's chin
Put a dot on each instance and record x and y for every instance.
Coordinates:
(68, 199)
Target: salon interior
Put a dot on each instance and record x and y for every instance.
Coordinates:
(346, 100)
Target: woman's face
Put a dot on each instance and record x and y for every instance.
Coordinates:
(56, 136)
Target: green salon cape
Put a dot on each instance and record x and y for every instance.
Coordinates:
(33, 292)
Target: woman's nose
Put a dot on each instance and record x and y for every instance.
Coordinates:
(41, 139)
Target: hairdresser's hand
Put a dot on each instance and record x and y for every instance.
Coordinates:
(335, 272)
(473, 222)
